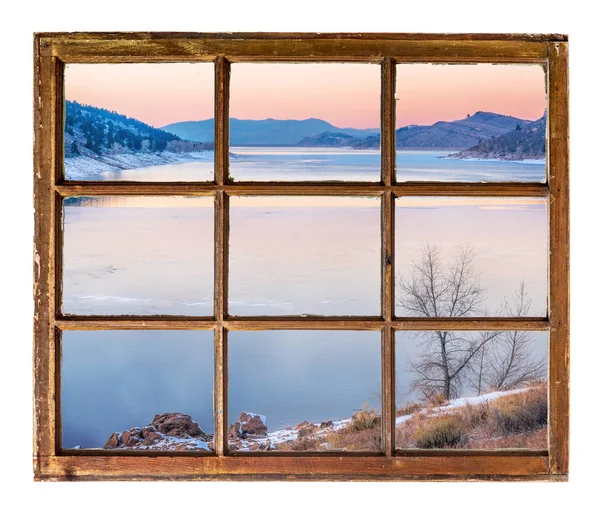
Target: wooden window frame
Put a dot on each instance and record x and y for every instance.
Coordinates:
(53, 50)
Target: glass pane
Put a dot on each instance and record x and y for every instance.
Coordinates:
(304, 255)
(471, 123)
(132, 122)
(472, 390)
(137, 390)
(294, 122)
(304, 391)
(458, 257)
(138, 255)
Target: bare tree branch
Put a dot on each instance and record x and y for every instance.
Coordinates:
(511, 363)
(435, 290)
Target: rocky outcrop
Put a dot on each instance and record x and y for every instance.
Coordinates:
(179, 432)
(248, 425)
(167, 431)
(249, 433)
(177, 424)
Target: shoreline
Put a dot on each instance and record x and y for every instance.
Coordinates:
(494, 159)
(254, 436)
(83, 167)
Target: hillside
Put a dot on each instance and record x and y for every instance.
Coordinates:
(462, 133)
(263, 132)
(98, 140)
(496, 420)
(328, 139)
(525, 142)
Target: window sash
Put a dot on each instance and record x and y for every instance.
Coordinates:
(53, 51)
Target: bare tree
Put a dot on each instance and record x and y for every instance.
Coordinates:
(436, 290)
(509, 360)
(478, 378)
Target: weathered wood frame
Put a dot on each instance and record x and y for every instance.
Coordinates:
(53, 50)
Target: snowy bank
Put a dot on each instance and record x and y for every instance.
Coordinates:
(86, 167)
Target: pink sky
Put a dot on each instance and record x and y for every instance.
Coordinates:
(427, 93)
(157, 94)
(346, 95)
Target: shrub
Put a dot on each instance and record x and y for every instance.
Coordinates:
(439, 433)
(520, 413)
(364, 419)
(473, 415)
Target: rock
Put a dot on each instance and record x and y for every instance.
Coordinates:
(113, 441)
(326, 424)
(248, 425)
(307, 431)
(177, 424)
(259, 446)
(128, 439)
(147, 430)
(303, 425)
(167, 431)
(235, 431)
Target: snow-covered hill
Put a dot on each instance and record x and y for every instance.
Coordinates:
(98, 140)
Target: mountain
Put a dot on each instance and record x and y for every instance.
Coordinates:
(525, 142)
(328, 139)
(263, 132)
(98, 140)
(462, 133)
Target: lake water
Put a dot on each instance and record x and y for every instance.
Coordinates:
(144, 256)
(303, 164)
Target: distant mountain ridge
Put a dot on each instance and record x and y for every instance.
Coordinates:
(263, 132)
(526, 142)
(459, 134)
(462, 133)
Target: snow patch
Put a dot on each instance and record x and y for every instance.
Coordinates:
(82, 167)
(460, 403)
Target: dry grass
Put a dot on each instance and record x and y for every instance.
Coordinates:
(513, 421)
(408, 408)
(307, 443)
(441, 433)
(363, 433)
(436, 400)
(520, 413)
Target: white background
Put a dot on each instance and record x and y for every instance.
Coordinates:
(21, 18)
